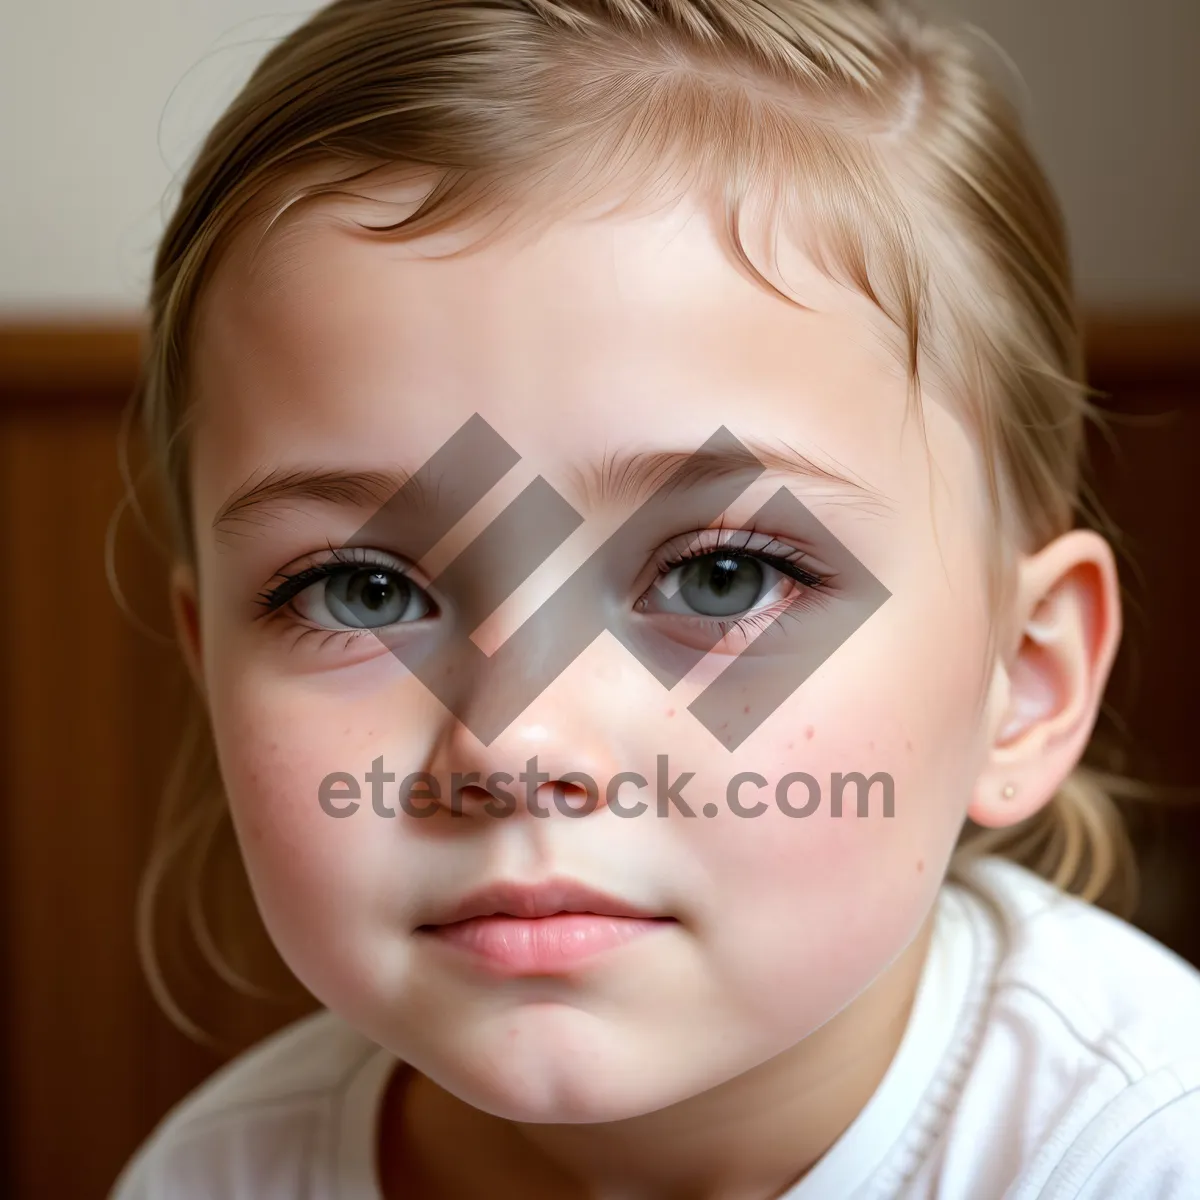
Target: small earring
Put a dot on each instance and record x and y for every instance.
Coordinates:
(1009, 791)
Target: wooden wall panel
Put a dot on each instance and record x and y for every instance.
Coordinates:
(1146, 476)
(84, 729)
(89, 710)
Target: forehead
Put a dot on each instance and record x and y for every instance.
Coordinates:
(579, 338)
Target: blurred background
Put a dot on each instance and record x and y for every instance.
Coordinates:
(103, 102)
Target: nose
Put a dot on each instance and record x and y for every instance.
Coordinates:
(556, 759)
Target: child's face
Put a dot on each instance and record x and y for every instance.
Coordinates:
(597, 342)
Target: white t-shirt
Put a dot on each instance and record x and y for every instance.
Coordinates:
(1052, 1051)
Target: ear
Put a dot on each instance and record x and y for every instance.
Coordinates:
(185, 612)
(1047, 689)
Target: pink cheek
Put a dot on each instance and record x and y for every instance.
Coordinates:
(831, 847)
(272, 790)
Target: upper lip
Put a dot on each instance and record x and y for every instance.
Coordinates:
(538, 900)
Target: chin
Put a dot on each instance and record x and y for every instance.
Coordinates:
(560, 1099)
(537, 1078)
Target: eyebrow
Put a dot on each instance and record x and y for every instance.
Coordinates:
(322, 485)
(627, 477)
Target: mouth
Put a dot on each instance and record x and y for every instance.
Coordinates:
(550, 928)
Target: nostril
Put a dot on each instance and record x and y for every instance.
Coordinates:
(469, 795)
(573, 793)
(572, 796)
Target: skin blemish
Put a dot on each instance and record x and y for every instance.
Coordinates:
(808, 733)
(920, 865)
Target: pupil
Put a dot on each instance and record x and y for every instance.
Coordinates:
(373, 589)
(368, 598)
(724, 575)
(721, 585)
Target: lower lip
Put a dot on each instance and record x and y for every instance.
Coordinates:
(543, 945)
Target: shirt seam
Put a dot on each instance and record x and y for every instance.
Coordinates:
(1100, 1051)
(928, 1124)
(1116, 1146)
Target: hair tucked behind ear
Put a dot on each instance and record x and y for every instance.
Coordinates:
(873, 137)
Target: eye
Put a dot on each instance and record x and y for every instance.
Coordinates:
(722, 584)
(743, 574)
(349, 594)
(364, 598)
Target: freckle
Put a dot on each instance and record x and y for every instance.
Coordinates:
(920, 865)
(791, 744)
(908, 744)
(746, 709)
(871, 745)
(808, 732)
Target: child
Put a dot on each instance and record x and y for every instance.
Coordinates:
(625, 461)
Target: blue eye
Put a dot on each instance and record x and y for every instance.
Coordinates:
(351, 595)
(366, 598)
(743, 577)
(721, 584)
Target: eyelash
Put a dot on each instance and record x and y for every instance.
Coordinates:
(814, 585)
(787, 564)
(352, 558)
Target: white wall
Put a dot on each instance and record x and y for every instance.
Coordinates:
(102, 102)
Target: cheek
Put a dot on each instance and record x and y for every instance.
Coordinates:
(314, 875)
(848, 891)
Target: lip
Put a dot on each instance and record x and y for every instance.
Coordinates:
(531, 901)
(549, 929)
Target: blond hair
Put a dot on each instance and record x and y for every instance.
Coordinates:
(875, 136)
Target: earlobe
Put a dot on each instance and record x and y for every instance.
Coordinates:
(1055, 677)
(185, 612)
